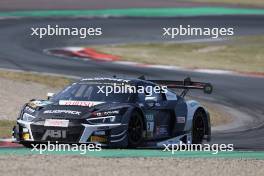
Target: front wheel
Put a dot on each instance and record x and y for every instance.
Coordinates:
(135, 130)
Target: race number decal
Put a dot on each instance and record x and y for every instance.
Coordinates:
(150, 124)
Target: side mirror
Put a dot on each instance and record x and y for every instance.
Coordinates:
(151, 101)
(50, 95)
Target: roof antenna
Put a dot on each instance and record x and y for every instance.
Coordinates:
(142, 77)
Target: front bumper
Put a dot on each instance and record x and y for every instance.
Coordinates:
(113, 135)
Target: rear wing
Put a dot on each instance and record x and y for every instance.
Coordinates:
(186, 84)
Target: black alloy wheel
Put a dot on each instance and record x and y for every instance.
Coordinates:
(135, 130)
(198, 130)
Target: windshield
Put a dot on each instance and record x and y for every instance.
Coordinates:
(89, 92)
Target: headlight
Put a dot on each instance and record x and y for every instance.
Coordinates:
(110, 116)
(107, 113)
(105, 119)
(27, 117)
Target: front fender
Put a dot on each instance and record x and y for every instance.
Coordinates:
(192, 107)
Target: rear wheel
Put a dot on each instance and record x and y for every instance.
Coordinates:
(198, 130)
(135, 130)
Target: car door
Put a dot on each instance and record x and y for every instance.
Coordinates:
(179, 112)
(158, 116)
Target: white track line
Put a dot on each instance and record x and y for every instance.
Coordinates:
(166, 67)
(7, 140)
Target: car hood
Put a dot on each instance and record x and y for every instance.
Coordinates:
(70, 109)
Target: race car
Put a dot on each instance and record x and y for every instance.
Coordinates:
(142, 113)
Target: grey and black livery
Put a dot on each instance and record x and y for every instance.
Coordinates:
(79, 114)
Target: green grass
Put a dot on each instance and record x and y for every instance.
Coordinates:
(243, 54)
(52, 81)
(6, 127)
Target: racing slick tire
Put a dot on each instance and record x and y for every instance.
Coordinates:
(198, 129)
(135, 130)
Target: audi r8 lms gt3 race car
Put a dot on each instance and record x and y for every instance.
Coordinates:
(89, 111)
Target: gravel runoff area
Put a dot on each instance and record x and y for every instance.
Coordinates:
(14, 94)
(79, 165)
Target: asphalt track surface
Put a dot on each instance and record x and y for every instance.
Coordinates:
(19, 50)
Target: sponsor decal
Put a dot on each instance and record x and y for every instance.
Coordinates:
(80, 103)
(62, 111)
(98, 139)
(54, 134)
(56, 123)
(150, 128)
(161, 130)
(150, 117)
(99, 133)
(150, 124)
(35, 104)
(105, 79)
(26, 136)
(27, 108)
(180, 119)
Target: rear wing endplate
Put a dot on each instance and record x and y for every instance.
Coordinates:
(186, 84)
